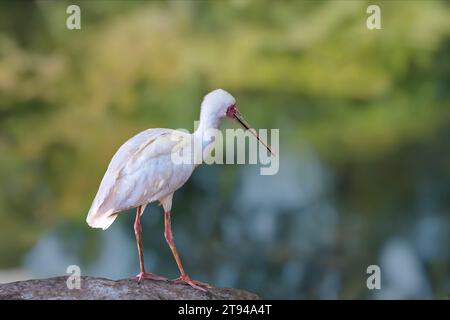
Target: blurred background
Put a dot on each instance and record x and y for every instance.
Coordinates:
(364, 123)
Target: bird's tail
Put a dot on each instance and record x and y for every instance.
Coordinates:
(99, 219)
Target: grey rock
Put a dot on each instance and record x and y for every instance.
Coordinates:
(92, 288)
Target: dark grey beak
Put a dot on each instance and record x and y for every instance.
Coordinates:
(241, 120)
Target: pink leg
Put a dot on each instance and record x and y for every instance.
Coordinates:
(184, 278)
(138, 232)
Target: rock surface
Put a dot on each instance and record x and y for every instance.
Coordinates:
(104, 289)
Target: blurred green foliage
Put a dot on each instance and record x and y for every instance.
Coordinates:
(373, 104)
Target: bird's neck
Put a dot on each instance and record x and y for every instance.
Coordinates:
(204, 132)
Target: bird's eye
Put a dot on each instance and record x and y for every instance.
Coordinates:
(231, 111)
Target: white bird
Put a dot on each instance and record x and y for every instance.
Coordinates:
(143, 171)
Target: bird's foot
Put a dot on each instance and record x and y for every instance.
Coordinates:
(193, 283)
(148, 275)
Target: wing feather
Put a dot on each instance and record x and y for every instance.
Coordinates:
(140, 172)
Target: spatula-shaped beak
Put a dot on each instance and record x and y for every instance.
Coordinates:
(234, 113)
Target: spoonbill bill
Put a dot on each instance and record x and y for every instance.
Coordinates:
(143, 171)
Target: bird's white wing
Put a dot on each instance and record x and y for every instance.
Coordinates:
(140, 172)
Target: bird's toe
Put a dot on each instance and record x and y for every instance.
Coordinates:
(193, 283)
(148, 275)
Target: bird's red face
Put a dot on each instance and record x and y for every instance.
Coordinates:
(233, 113)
